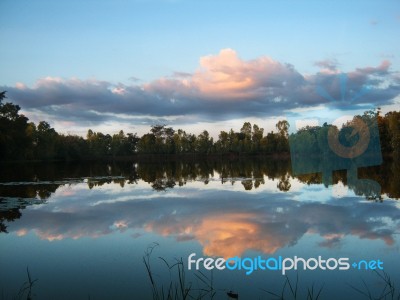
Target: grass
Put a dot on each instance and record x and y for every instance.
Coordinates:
(291, 291)
(388, 292)
(181, 289)
(27, 287)
(178, 286)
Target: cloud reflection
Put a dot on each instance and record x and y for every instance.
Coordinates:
(225, 223)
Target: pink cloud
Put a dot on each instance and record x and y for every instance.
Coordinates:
(226, 76)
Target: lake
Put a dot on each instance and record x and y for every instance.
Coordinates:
(89, 231)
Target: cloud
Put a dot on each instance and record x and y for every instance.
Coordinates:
(223, 86)
(228, 77)
(328, 66)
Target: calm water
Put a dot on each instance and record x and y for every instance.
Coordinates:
(83, 230)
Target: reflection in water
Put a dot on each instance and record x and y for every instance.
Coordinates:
(226, 208)
(223, 222)
(40, 181)
(33, 184)
(228, 231)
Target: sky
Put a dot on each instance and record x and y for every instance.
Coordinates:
(195, 65)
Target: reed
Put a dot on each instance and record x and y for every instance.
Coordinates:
(290, 290)
(387, 292)
(178, 287)
(27, 287)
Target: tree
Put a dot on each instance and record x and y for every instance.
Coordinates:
(164, 139)
(132, 141)
(71, 147)
(256, 138)
(204, 143)
(283, 134)
(147, 144)
(283, 128)
(46, 141)
(246, 139)
(270, 143)
(394, 128)
(13, 138)
(99, 144)
(118, 144)
(385, 135)
(3, 95)
(223, 142)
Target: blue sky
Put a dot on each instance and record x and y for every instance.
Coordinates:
(151, 52)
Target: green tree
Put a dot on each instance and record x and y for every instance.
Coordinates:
(223, 142)
(147, 144)
(204, 143)
(283, 128)
(118, 144)
(270, 143)
(99, 144)
(257, 138)
(282, 143)
(246, 138)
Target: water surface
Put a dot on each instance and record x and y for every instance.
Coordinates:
(83, 229)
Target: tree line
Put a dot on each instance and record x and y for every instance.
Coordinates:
(24, 140)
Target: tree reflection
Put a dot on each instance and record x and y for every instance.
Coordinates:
(33, 184)
(10, 209)
(248, 184)
(8, 215)
(284, 183)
